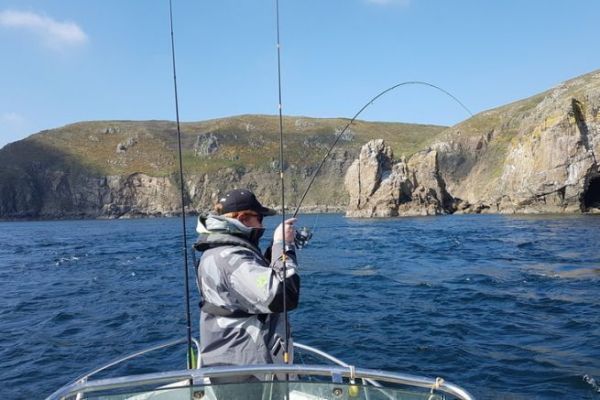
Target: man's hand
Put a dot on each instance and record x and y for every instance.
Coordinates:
(290, 232)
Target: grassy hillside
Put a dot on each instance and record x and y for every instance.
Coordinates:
(248, 141)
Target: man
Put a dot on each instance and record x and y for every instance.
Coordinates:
(241, 320)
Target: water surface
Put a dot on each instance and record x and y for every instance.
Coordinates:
(507, 307)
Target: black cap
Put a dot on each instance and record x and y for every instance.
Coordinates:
(242, 200)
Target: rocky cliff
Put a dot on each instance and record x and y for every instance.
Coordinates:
(538, 155)
(121, 169)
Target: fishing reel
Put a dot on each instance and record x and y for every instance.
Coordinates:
(302, 237)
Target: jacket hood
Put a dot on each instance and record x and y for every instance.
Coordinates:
(217, 230)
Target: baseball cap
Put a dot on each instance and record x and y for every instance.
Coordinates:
(242, 200)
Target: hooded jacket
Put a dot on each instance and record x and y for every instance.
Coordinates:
(242, 294)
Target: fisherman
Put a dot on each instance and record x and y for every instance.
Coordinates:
(241, 320)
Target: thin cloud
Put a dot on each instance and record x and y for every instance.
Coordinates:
(12, 118)
(54, 34)
(402, 3)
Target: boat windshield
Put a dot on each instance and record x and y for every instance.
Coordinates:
(298, 390)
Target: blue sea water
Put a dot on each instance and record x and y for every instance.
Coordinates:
(506, 306)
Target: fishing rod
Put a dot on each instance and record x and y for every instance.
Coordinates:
(305, 234)
(188, 319)
(286, 341)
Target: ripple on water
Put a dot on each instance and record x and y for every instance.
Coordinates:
(66, 260)
(591, 381)
(63, 316)
(367, 270)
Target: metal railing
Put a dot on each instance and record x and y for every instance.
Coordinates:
(131, 356)
(198, 376)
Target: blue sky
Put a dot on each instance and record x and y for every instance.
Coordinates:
(72, 60)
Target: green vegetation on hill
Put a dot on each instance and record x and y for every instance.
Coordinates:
(248, 141)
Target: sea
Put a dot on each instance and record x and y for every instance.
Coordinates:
(507, 307)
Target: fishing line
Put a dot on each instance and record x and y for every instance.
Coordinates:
(190, 363)
(305, 238)
(281, 160)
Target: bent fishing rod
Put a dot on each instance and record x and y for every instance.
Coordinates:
(188, 319)
(304, 235)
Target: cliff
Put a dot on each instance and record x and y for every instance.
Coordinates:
(122, 169)
(538, 155)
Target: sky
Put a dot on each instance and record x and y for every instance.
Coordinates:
(65, 61)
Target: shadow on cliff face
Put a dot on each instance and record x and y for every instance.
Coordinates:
(36, 180)
(591, 197)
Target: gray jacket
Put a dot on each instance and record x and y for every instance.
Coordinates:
(242, 295)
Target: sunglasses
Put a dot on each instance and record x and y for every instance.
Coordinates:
(258, 216)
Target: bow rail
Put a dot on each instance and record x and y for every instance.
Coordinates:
(194, 381)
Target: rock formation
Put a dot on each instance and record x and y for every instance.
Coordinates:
(538, 155)
(126, 169)
(206, 144)
(380, 188)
